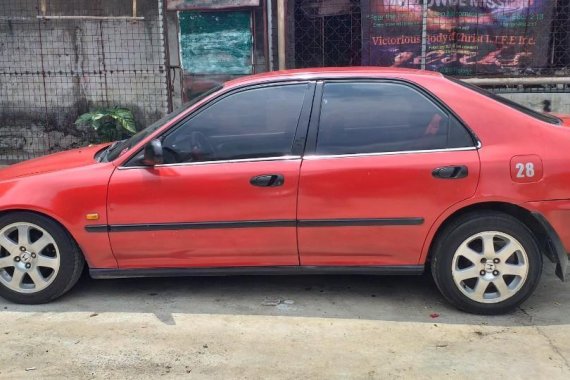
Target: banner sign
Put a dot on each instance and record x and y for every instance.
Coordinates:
(463, 37)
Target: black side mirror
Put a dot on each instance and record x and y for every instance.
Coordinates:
(153, 153)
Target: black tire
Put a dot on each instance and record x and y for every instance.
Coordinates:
(70, 266)
(466, 226)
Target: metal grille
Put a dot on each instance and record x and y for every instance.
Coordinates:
(536, 88)
(59, 59)
(560, 41)
(327, 33)
(464, 38)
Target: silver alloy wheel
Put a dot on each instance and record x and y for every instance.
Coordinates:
(490, 267)
(29, 258)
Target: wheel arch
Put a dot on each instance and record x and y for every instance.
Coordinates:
(546, 237)
(45, 215)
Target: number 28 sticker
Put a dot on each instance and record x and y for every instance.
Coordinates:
(526, 169)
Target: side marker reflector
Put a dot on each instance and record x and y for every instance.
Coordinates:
(93, 216)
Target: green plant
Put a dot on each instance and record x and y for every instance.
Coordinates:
(110, 124)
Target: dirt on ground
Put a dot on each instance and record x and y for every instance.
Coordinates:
(321, 327)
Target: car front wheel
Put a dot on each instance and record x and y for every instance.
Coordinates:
(39, 261)
(486, 263)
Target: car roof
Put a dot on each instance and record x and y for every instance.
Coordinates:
(330, 72)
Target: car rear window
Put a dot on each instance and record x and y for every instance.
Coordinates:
(532, 113)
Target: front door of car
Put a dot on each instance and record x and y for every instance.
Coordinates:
(387, 161)
(227, 192)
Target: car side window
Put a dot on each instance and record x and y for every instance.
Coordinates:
(254, 123)
(384, 117)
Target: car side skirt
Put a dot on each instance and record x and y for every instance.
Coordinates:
(254, 271)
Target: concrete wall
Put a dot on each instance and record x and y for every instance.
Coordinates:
(51, 71)
(560, 102)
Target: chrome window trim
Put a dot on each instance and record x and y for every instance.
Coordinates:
(309, 157)
(284, 158)
(324, 156)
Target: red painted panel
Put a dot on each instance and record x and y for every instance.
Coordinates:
(205, 248)
(370, 245)
(204, 193)
(65, 186)
(383, 186)
(558, 214)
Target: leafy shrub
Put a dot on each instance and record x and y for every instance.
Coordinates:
(110, 124)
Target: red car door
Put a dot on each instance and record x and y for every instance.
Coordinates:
(388, 160)
(227, 192)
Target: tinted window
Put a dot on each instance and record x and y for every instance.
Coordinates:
(384, 117)
(250, 124)
(124, 146)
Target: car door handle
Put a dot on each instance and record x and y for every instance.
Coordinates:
(451, 172)
(268, 180)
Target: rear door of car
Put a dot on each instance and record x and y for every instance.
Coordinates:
(384, 159)
(227, 193)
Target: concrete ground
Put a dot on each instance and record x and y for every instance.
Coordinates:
(282, 327)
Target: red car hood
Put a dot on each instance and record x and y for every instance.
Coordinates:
(53, 162)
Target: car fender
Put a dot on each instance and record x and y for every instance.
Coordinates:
(558, 254)
(67, 197)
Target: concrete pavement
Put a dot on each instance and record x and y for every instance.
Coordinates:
(282, 327)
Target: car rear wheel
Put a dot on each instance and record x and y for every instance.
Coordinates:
(486, 263)
(39, 261)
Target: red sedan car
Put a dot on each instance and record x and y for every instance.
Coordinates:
(360, 170)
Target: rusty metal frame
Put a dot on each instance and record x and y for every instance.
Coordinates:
(44, 16)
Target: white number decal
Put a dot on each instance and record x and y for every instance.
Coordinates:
(529, 169)
(520, 168)
(525, 170)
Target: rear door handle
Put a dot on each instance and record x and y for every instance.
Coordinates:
(268, 180)
(451, 172)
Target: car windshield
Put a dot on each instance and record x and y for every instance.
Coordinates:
(532, 113)
(118, 148)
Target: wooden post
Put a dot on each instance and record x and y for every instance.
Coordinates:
(134, 8)
(281, 33)
(43, 7)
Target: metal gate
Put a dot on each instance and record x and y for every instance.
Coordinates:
(59, 59)
(527, 38)
(327, 33)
